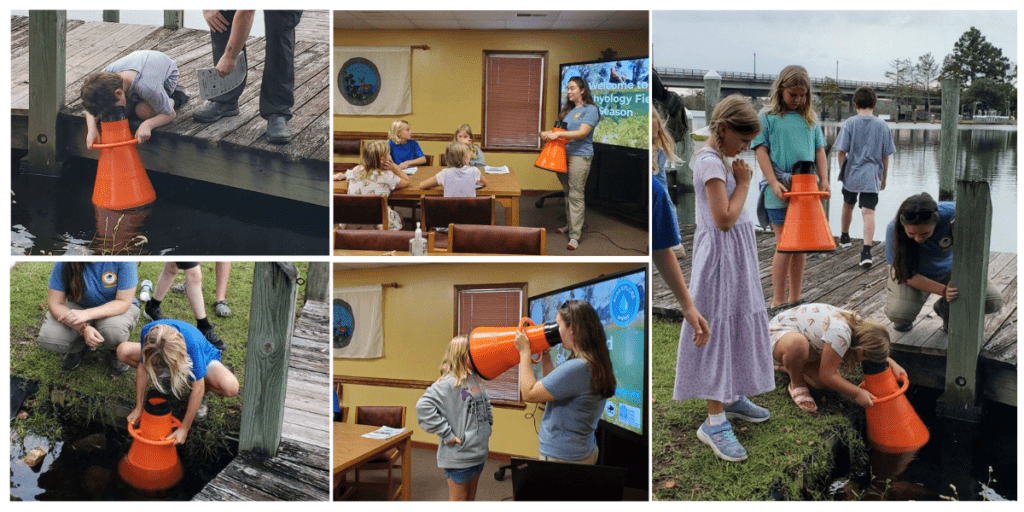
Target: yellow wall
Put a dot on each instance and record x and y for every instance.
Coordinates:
(419, 323)
(447, 81)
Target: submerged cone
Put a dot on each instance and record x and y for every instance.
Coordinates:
(121, 180)
(893, 425)
(152, 462)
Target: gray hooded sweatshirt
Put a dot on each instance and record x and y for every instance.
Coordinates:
(464, 412)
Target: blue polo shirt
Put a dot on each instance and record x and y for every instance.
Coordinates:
(567, 428)
(102, 281)
(935, 255)
(575, 118)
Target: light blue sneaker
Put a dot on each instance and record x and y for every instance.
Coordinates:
(722, 440)
(746, 410)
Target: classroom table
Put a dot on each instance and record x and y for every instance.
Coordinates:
(364, 252)
(503, 187)
(351, 450)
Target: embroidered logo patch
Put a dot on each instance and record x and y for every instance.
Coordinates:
(109, 279)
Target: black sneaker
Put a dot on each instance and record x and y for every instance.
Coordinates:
(72, 360)
(844, 240)
(153, 313)
(212, 337)
(902, 326)
(180, 99)
(116, 366)
(277, 130)
(865, 257)
(213, 111)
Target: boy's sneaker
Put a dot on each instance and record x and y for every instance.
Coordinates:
(746, 410)
(865, 257)
(153, 313)
(116, 366)
(180, 98)
(277, 130)
(72, 360)
(722, 440)
(212, 337)
(844, 240)
(202, 411)
(941, 308)
(902, 326)
(179, 288)
(213, 111)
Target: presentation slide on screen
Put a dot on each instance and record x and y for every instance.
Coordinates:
(621, 90)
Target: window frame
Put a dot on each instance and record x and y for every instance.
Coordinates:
(521, 288)
(542, 122)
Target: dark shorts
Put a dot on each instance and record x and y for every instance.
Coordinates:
(186, 266)
(777, 216)
(868, 200)
(463, 475)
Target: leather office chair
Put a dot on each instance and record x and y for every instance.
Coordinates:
(381, 416)
(360, 209)
(372, 240)
(442, 211)
(468, 238)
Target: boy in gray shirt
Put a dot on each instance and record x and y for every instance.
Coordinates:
(144, 82)
(864, 146)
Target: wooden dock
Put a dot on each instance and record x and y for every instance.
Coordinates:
(299, 471)
(233, 151)
(836, 278)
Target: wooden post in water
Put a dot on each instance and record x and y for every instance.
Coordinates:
(174, 19)
(47, 35)
(271, 321)
(712, 93)
(947, 145)
(112, 16)
(972, 233)
(318, 280)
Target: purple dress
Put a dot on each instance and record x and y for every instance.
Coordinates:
(726, 288)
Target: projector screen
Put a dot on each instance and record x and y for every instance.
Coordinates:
(620, 300)
(621, 91)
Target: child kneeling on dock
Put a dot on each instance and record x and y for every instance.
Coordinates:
(144, 82)
(810, 342)
(177, 358)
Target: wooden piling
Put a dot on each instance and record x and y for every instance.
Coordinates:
(318, 280)
(947, 144)
(46, 70)
(112, 16)
(274, 290)
(174, 19)
(972, 233)
(712, 93)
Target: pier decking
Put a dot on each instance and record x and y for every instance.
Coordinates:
(836, 278)
(233, 151)
(299, 471)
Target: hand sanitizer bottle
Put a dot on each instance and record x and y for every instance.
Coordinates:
(418, 244)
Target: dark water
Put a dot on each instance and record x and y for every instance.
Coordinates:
(189, 217)
(84, 468)
(985, 153)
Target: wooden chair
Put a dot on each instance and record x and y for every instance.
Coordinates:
(381, 416)
(372, 240)
(442, 211)
(360, 209)
(341, 416)
(441, 160)
(470, 238)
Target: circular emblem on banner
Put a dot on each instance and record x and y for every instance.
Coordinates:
(344, 323)
(359, 81)
(625, 302)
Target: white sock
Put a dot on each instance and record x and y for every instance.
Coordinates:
(716, 420)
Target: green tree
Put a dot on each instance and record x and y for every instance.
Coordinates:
(974, 57)
(831, 96)
(927, 72)
(985, 94)
(902, 78)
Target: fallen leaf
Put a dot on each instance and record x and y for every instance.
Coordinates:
(798, 442)
(671, 484)
(787, 429)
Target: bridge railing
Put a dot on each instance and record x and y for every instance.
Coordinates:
(763, 77)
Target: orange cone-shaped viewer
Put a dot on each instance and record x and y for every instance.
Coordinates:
(121, 180)
(492, 350)
(152, 462)
(552, 156)
(806, 228)
(893, 425)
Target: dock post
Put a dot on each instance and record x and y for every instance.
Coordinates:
(112, 16)
(46, 71)
(271, 321)
(318, 280)
(712, 93)
(174, 19)
(947, 144)
(972, 233)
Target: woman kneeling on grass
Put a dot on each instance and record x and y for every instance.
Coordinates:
(175, 355)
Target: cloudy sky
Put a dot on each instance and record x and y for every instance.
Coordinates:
(864, 42)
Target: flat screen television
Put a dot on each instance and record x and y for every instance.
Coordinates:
(621, 91)
(620, 300)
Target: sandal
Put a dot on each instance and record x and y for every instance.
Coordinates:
(802, 398)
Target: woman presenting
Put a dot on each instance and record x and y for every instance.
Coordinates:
(581, 116)
(89, 305)
(919, 246)
(575, 391)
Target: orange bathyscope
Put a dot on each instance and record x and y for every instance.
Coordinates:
(152, 462)
(806, 228)
(492, 350)
(121, 180)
(893, 425)
(552, 156)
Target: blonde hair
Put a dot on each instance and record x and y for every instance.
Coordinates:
(373, 153)
(164, 346)
(395, 127)
(661, 139)
(454, 362)
(866, 337)
(465, 128)
(792, 76)
(456, 154)
(736, 113)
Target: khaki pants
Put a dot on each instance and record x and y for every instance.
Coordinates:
(903, 302)
(574, 184)
(57, 337)
(590, 461)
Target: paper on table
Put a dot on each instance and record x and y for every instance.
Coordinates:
(496, 170)
(409, 171)
(383, 433)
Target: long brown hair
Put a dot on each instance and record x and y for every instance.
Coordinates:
(866, 337)
(585, 95)
(73, 280)
(591, 344)
(905, 253)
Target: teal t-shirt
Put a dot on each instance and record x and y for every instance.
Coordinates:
(789, 140)
(102, 281)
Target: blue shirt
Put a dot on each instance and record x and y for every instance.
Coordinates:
(789, 140)
(405, 152)
(567, 428)
(102, 281)
(575, 118)
(935, 255)
(866, 141)
(200, 350)
(664, 225)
